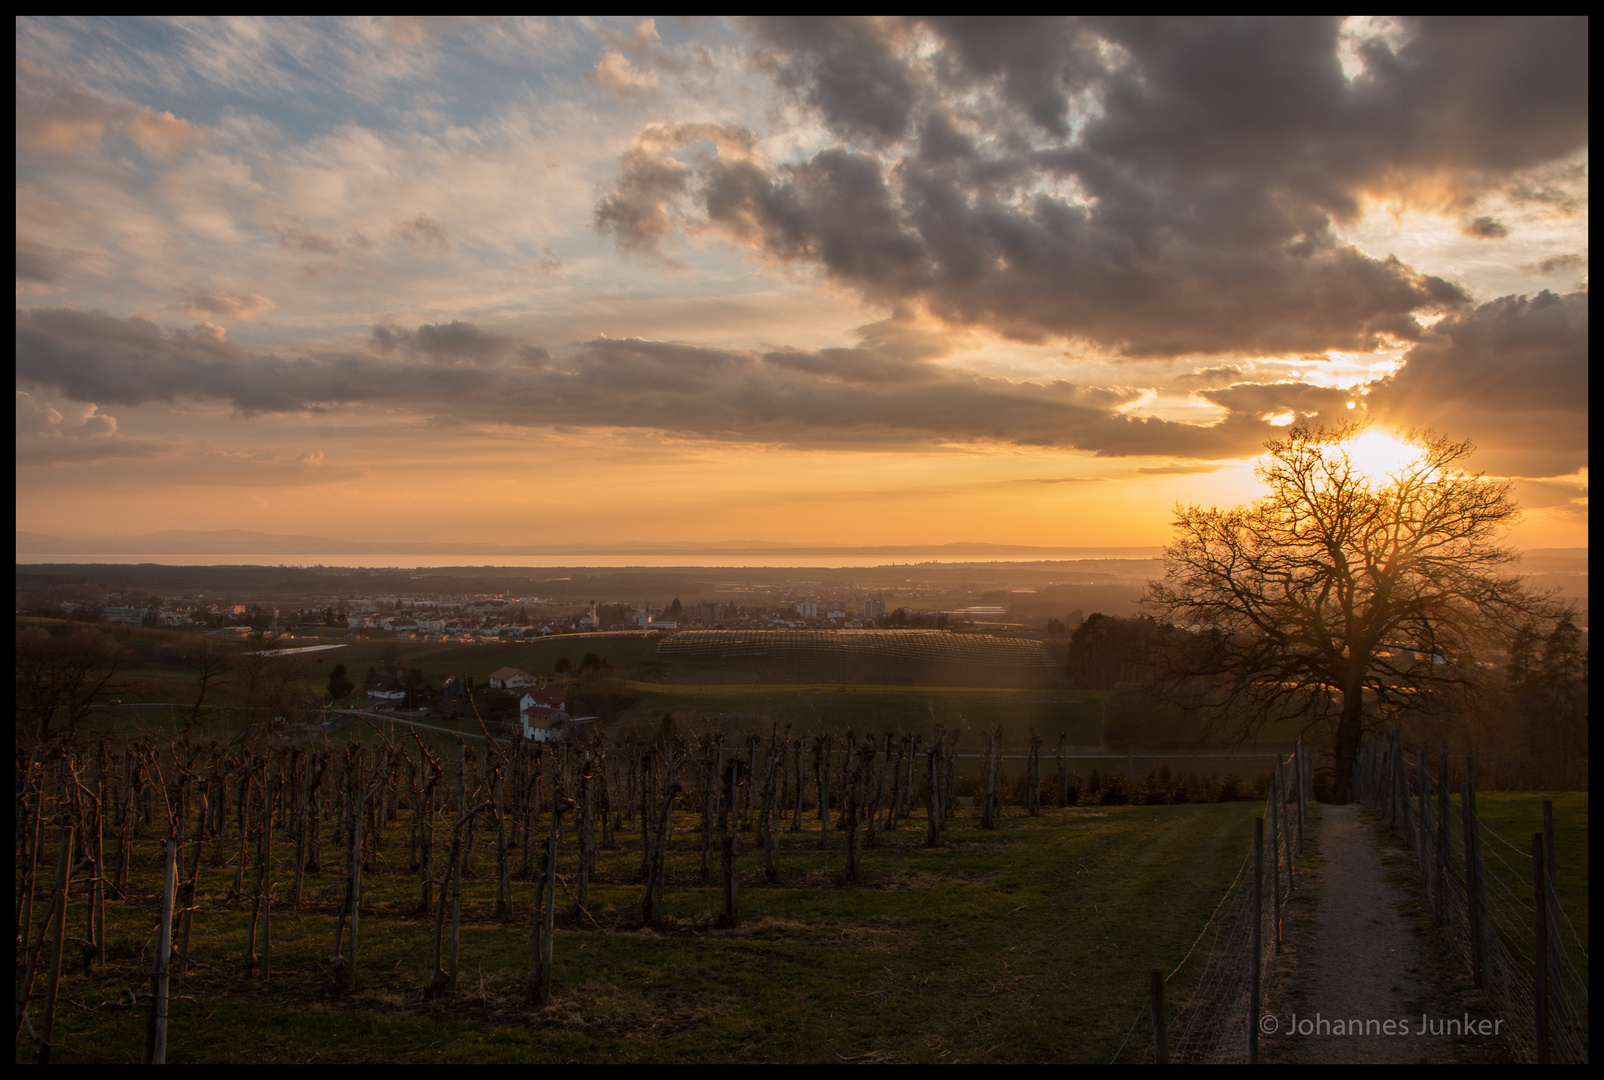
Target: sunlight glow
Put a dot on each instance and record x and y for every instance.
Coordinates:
(1380, 456)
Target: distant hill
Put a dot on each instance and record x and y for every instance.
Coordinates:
(244, 542)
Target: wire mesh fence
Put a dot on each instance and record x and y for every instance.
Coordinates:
(1227, 968)
(1497, 898)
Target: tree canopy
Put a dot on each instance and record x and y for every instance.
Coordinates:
(1364, 585)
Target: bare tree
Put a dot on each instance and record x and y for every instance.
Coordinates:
(1349, 590)
(60, 680)
(212, 663)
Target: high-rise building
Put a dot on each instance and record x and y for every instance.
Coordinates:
(873, 609)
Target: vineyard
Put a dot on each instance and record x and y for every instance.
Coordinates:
(774, 898)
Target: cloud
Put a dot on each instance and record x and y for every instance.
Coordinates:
(206, 304)
(38, 264)
(1175, 469)
(641, 211)
(423, 234)
(1155, 187)
(1512, 374)
(75, 433)
(1485, 228)
(58, 116)
(1214, 376)
(614, 72)
(456, 342)
(1558, 264)
(886, 391)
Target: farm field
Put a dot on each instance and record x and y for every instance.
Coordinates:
(1028, 943)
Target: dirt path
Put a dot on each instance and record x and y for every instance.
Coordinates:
(1355, 957)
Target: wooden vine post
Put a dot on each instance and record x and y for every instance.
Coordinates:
(156, 1033)
(730, 877)
(544, 922)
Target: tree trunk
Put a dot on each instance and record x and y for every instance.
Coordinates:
(1350, 728)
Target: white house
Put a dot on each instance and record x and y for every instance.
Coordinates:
(509, 678)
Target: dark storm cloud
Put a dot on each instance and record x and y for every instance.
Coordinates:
(883, 393)
(1158, 187)
(1510, 374)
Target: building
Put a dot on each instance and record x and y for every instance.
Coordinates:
(710, 613)
(874, 609)
(808, 609)
(542, 713)
(509, 678)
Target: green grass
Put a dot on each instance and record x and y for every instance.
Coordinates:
(1514, 816)
(1029, 943)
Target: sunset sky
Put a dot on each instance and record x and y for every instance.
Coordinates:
(839, 282)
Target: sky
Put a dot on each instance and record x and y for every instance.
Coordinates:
(825, 281)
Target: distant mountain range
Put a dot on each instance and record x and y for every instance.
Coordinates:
(243, 542)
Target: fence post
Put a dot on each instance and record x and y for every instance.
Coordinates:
(1444, 836)
(1275, 872)
(1467, 811)
(1303, 801)
(1257, 955)
(1286, 822)
(1161, 1020)
(1556, 987)
(1423, 817)
(1540, 986)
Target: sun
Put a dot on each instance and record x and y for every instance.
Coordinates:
(1380, 457)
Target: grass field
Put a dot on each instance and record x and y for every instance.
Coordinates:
(1029, 943)
(1513, 816)
(875, 709)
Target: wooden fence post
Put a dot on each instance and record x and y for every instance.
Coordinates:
(1161, 1020)
(1256, 952)
(1540, 985)
(1275, 871)
(1444, 837)
(1422, 817)
(1473, 883)
(1286, 822)
(1556, 988)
